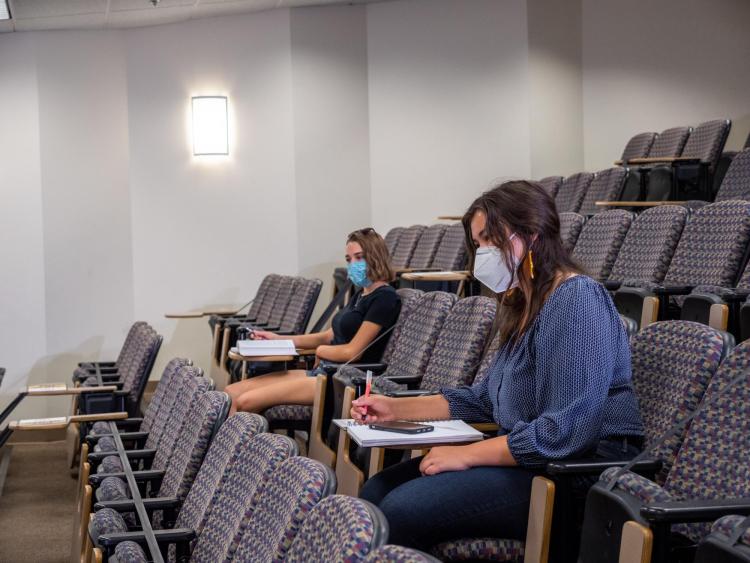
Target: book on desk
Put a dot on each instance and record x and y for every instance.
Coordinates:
(266, 347)
(445, 432)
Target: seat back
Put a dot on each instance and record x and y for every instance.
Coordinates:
(451, 254)
(301, 304)
(459, 346)
(488, 358)
(712, 461)
(154, 410)
(572, 191)
(404, 249)
(638, 146)
(427, 246)
(280, 507)
(231, 503)
(570, 229)
(718, 545)
(391, 239)
(339, 528)
(269, 299)
(287, 287)
(409, 298)
(736, 182)
(201, 424)
(551, 184)
(673, 363)
(600, 241)
(707, 141)
(127, 346)
(649, 245)
(136, 372)
(176, 391)
(419, 333)
(261, 295)
(233, 437)
(194, 386)
(607, 185)
(712, 246)
(670, 142)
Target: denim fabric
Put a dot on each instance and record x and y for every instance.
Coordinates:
(491, 502)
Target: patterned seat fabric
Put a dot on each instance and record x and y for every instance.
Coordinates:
(673, 363)
(451, 254)
(706, 142)
(409, 299)
(281, 414)
(339, 528)
(727, 526)
(407, 242)
(711, 247)
(488, 358)
(84, 368)
(600, 241)
(233, 436)
(570, 229)
(638, 146)
(189, 384)
(391, 239)
(650, 244)
(300, 306)
(551, 184)
(268, 303)
(105, 444)
(261, 294)
(458, 349)
(736, 182)
(106, 521)
(572, 191)
(606, 186)
(152, 413)
(129, 552)
(427, 246)
(287, 287)
(492, 549)
(398, 554)
(280, 507)
(112, 488)
(232, 501)
(712, 461)
(670, 142)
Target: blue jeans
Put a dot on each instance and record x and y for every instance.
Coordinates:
(478, 502)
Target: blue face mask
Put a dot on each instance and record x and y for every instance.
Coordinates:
(357, 272)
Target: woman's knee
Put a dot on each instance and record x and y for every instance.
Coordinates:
(246, 402)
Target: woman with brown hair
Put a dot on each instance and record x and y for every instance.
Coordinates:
(371, 311)
(559, 385)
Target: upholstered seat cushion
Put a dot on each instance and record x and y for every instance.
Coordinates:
(492, 549)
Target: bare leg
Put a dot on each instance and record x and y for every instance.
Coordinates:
(236, 389)
(298, 389)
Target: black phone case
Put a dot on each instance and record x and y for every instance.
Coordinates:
(403, 430)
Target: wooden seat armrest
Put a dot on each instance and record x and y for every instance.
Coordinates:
(306, 351)
(184, 315)
(461, 275)
(450, 217)
(653, 160)
(49, 389)
(484, 427)
(60, 422)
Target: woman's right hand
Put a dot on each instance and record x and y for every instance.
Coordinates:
(375, 408)
(264, 335)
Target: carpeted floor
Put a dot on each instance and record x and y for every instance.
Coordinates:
(37, 505)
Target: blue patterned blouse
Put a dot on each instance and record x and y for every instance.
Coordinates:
(565, 385)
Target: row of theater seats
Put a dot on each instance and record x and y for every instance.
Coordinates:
(234, 500)
(588, 193)
(186, 483)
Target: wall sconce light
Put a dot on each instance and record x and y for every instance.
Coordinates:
(210, 131)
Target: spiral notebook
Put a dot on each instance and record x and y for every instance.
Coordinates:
(445, 432)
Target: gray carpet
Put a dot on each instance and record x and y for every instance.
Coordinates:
(37, 506)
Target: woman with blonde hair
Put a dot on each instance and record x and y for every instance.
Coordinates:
(354, 334)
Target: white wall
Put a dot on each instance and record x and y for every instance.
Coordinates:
(331, 135)
(448, 88)
(684, 63)
(207, 229)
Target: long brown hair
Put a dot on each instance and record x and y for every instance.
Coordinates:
(526, 209)
(375, 253)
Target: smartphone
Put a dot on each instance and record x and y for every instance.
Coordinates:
(402, 427)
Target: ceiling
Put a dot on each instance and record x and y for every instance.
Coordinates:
(33, 15)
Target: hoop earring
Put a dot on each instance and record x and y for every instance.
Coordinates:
(531, 265)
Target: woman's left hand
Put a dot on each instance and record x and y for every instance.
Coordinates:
(445, 458)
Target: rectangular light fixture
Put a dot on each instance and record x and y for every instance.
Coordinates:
(4, 10)
(210, 128)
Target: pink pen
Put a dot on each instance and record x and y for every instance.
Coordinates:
(368, 385)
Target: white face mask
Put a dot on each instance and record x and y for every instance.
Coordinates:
(490, 268)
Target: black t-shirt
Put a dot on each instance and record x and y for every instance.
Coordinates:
(381, 307)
